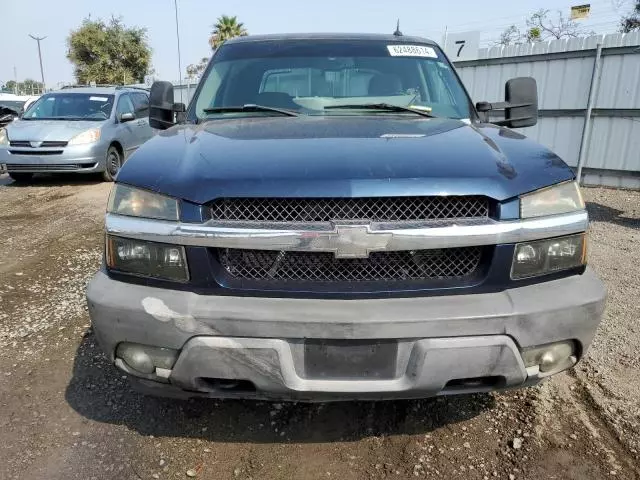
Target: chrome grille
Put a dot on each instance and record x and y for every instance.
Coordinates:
(328, 209)
(449, 263)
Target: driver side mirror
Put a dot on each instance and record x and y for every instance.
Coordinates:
(127, 117)
(520, 105)
(162, 108)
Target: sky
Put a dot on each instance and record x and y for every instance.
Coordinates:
(55, 18)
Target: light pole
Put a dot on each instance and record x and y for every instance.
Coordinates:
(38, 39)
(175, 4)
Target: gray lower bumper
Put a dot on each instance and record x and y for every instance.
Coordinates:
(76, 158)
(261, 340)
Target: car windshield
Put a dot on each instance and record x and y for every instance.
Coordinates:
(70, 106)
(330, 77)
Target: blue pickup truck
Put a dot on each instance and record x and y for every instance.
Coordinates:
(332, 218)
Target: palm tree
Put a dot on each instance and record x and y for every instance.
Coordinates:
(225, 28)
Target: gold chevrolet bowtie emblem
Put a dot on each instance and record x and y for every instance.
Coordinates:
(356, 241)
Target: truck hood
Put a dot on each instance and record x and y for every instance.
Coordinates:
(341, 156)
(50, 130)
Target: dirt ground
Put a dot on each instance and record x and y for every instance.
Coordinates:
(65, 413)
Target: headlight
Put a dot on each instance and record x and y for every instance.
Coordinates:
(561, 198)
(4, 139)
(88, 136)
(147, 259)
(546, 256)
(125, 200)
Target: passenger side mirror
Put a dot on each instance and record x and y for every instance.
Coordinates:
(520, 105)
(127, 117)
(161, 106)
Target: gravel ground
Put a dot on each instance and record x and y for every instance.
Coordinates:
(66, 413)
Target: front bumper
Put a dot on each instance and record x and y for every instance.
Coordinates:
(75, 158)
(441, 341)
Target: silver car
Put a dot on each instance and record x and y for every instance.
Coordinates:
(81, 129)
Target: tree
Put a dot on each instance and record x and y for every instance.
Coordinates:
(195, 69)
(534, 34)
(10, 86)
(31, 87)
(550, 28)
(631, 22)
(513, 36)
(109, 53)
(27, 87)
(541, 26)
(510, 36)
(225, 28)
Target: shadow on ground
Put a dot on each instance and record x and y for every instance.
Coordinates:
(52, 180)
(100, 393)
(602, 213)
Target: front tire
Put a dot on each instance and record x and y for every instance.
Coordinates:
(112, 164)
(21, 177)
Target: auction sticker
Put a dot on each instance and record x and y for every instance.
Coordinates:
(411, 51)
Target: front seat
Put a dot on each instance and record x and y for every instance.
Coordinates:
(385, 84)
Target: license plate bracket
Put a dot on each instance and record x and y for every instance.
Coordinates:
(350, 359)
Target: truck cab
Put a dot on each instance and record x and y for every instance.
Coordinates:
(332, 218)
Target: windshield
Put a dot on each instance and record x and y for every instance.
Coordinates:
(316, 77)
(70, 106)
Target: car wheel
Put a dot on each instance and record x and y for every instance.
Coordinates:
(21, 177)
(112, 164)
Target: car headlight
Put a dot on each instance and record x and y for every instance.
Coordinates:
(146, 259)
(88, 136)
(4, 138)
(531, 259)
(134, 202)
(561, 198)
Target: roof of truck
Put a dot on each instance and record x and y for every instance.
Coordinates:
(331, 36)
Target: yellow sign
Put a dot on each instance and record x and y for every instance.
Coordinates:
(580, 12)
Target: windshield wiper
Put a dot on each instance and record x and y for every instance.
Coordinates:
(380, 106)
(251, 107)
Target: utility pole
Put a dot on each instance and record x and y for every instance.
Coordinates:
(175, 3)
(15, 78)
(39, 39)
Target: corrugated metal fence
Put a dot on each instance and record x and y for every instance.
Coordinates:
(564, 71)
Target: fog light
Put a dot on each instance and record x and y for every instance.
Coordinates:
(146, 359)
(551, 358)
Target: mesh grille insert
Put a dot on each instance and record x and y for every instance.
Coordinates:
(328, 209)
(324, 267)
